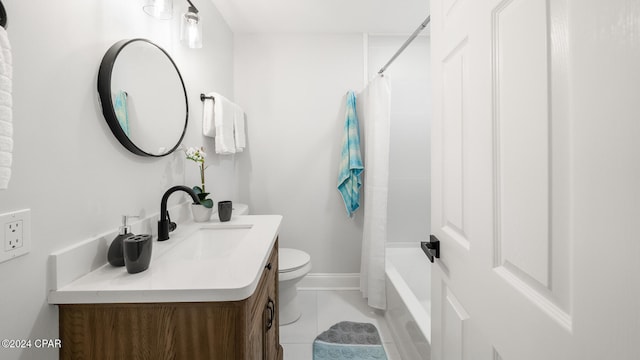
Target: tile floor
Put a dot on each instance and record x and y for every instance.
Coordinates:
(323, 308)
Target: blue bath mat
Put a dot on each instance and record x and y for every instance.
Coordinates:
(349, 340)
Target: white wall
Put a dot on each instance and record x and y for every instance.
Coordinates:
(293, 89)
(409, 203)
(68, 168)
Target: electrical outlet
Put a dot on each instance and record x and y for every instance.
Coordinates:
(16, 234)
(13, 235)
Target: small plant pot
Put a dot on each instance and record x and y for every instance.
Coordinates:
(201, 213)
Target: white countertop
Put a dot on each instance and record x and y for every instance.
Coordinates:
(172, 277)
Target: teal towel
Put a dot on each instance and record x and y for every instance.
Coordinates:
(351, 167)
(120, 107)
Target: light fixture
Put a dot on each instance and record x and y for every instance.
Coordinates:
(159, 9)
(190, 24)
(191, 28)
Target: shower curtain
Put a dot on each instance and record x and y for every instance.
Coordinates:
(375, 107)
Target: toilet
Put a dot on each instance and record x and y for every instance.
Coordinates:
(240, 209)
(293, 265)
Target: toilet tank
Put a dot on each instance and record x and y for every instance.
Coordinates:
(240, 209)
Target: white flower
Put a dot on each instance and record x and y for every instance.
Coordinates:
(196, 154)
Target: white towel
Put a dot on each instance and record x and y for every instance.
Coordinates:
(208, 119)
(238, 129)
(224, 121)
(6, 115)
(223, 114)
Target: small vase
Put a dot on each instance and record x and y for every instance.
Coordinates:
(201, 213)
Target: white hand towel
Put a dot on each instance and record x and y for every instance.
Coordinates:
(224, 114)
(6, 115)
(208, 116)
(238, 129)
(6, 144)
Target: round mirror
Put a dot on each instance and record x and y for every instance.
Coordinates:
(143, 97)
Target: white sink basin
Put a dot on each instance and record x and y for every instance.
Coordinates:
(211, 242)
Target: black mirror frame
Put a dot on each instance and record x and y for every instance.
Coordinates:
(106, 101)
(3, 16)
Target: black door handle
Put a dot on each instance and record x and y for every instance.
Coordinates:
(271, 306)
(431, 248)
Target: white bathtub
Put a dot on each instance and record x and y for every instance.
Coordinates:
(409, 301)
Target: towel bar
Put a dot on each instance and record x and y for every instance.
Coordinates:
(203, 96)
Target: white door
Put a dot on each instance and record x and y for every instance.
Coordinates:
(536, 179)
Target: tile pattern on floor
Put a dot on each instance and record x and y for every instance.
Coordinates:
(323, 308)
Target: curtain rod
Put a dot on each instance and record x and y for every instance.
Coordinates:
(406, 43)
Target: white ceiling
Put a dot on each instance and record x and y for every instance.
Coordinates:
(323, 16)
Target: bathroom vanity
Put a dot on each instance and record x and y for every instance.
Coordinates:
(211, 294)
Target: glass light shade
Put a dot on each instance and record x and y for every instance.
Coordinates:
(159, 9)
(191, 30)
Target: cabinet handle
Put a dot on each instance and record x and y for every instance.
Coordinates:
(271, 306)
(268, 266)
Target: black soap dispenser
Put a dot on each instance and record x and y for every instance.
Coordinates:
(115, 256)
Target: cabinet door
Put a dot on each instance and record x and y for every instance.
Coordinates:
(270, 339)
(256, 340)
(259, 315)
(273, 350)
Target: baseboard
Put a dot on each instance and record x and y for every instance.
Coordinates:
(330, 281)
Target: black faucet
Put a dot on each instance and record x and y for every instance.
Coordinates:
(165, 225)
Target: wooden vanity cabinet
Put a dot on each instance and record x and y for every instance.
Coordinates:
(234, 330)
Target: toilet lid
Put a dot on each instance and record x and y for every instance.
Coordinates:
(292, 259)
